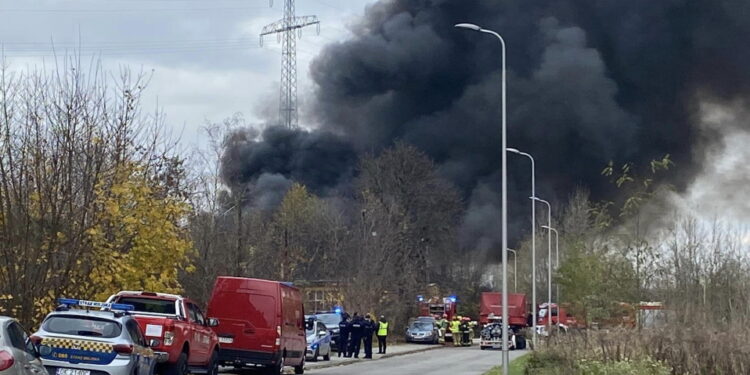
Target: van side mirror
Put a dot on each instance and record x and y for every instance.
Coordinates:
(213, 322)
(310, 324)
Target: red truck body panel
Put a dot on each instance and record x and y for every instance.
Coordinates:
(559, 314)
(491, 303)
(259, 322)
(157, 321)
(437, 306)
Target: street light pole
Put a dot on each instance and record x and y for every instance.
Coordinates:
(533, 241)
(515, 270)
(557, 265)
(504, 195)
(549, 262)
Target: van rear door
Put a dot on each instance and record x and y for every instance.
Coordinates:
(246, 319)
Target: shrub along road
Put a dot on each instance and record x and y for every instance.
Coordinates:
(444, 361)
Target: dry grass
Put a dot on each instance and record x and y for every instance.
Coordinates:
(686, 350)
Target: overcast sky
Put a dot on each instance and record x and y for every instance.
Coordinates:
(205, 54)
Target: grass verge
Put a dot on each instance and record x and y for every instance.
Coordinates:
(517, 366)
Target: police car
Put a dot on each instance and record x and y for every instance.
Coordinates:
(318, 340)
(93, 338)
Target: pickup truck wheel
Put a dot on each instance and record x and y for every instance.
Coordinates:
(213, 364)
(178, 368)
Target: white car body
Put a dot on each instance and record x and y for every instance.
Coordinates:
(318, 342)
(17, 351)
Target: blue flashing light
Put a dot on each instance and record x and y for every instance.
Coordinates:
(337, 310)
(101, 305)
(420, 298)
(453, 298)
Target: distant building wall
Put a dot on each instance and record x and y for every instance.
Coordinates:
(320, 295)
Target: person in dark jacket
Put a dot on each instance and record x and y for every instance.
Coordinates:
(368, 329)
(357, 331)
(343, 341)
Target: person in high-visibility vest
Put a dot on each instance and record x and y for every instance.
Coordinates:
(456, 331)
(382, 334)
(442, 324)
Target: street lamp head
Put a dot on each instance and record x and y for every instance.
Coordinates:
(469, 26)
(513, 150)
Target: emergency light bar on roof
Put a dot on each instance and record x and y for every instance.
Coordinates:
(100, 305)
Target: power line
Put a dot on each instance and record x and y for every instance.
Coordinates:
(240, 47)
(329, 5)
(153, 43)
(120, 10)
(127, 53)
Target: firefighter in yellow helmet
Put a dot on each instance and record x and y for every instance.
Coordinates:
(456, 331)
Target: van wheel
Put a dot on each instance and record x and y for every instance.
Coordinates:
(315, 355)
(278, 369)
(178, 368)
(327, 357)
(301, 368)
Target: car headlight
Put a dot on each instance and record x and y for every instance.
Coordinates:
(168, 338)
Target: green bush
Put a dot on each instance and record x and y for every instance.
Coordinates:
(546, 363)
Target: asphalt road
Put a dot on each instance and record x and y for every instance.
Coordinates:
(444, 361)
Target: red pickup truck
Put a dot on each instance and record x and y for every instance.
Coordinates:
(187, 344)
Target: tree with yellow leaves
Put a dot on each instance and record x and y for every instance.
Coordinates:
(139, 243)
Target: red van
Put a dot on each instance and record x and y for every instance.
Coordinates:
(261, 324)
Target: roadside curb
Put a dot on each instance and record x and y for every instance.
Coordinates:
(385, 356)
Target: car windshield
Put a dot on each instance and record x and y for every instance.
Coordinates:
(150, 305)
(329, 319)
(421, 326)
(82, 326)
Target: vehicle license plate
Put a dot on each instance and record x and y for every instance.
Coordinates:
(71, 371)
(222, 340)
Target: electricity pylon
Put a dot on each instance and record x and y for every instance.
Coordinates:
(285, 29)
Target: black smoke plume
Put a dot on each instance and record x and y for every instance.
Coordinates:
(588, 82)
(262, 167)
